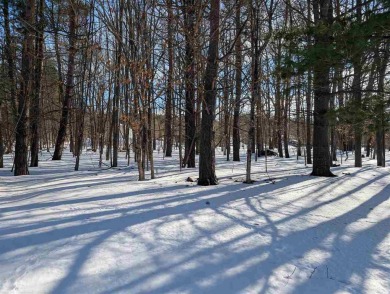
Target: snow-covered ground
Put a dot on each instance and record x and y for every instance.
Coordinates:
(102, 231)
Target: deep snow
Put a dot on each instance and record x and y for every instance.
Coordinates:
(102, 231)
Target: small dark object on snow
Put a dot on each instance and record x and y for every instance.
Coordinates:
(335, 165)
(363, 156)
(207, 202)
(348, 174)
(189, 179)
(269, 153)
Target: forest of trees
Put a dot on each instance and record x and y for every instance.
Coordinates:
(194, 75)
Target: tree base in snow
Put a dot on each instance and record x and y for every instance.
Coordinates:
(249, 182)
(207, 182)
(326, 174)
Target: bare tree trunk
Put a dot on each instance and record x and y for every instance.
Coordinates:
(259, 124)
(309, 92)
(168, 106)
(381, 121)
(207, 152)
(21, 149)
(69, 83)
(286, 119)
(237, 102)
(190, 115)
(8, 51)
(150, 140)
(357, 95)
(298, 106)
(333, 125)
(278, 105)
(226, 114)
(308, 117)
(255, 89)
(35, 105)
(322, 95)
(117, 87)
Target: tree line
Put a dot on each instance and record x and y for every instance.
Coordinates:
(136, 76)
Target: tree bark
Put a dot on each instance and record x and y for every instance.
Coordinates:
(207, 152)
(69, 84)
(298, 106)
(21, 149)
(286, 119)
(380, 121)
(237, 102)
(190, 115)
(35, 105)
(278, 104)
(322, 94)
(308, 118)
(8, 51)
(117, 87)
(168, 107)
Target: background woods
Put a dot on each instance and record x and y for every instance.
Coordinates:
(127, 78)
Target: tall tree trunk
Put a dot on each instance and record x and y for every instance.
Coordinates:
(298, 106)
(358, 125)
(8, 51)
(226, 111)
(308, 117)
(168, 107)
(254, 91)
(69, 83)
(190, 114)
(21, 150)
(357, 95)
(333, 123)
(35, 105)
(309, 90)
(207, 152)
(10, 72)
(278, 103)
(381, 121)
(259, 127)
(117, 88)
(321, 157)
(115, 113)
(286, 119)
(150, 138)
(237, 102)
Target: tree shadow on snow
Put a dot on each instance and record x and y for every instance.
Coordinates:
(259, 242)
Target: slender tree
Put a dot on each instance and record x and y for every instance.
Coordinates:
(21, 149)
(207, 152)
(66, 103)
(168, 106)
(238, 70)
(190, 115)
(35, 110)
